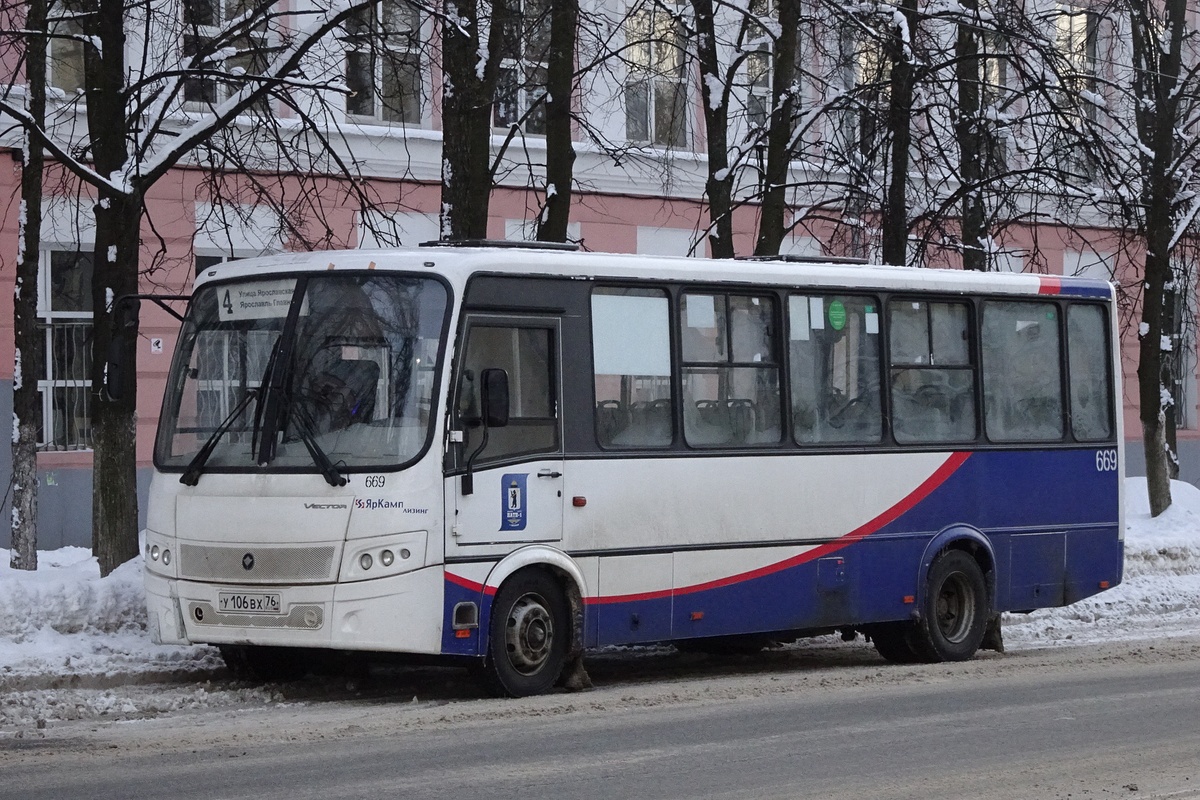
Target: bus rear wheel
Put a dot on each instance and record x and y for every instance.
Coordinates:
(955, 610)
(528, 635)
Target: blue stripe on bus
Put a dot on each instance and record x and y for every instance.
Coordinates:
(1007, 495)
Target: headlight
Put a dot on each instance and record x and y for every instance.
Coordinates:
(154, 553)
(386, 558)
(365, 561)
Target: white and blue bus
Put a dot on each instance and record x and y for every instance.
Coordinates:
(513, 455)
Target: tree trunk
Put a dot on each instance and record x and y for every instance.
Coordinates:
(560, 147)
(115, 273)
(30, 356)
(772, 214)
(468, 93)
(895, 206)
(719, 184)
(966, 131)
(1156, 82)
(114, 422)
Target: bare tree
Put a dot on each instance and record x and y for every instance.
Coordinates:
(29, 350)
(1165, 91)
(471, 57)
(142, 119)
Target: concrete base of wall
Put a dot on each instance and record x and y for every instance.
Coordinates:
(1189, 460)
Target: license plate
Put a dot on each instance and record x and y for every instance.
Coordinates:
(249, 603)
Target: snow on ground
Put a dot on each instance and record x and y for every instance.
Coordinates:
(72, 644)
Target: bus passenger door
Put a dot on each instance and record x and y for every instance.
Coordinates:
(517, 471)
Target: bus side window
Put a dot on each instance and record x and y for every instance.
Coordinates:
(1022, 386)
(631, 359)
(834, 347)
(1089, 364)
(932, 378)
(730, 370)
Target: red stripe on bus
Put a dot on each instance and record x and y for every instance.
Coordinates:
(469, 585)
(939, 476)
(1049, 285)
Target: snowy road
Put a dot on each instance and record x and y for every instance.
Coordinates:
(1102, 720)
(74, 653)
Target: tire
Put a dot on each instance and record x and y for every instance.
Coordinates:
(528, 635)
(894, 641)
(955, 609)
(274, 664)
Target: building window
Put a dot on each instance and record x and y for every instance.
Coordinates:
(383, 64)
(521, 90)
(65, 317)
(994, 98)
(205, 37)
(655, 90)
(65, 52)
(866, 75)
(760, 67)
(1077, 32)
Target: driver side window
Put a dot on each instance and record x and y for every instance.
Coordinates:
(528, 354)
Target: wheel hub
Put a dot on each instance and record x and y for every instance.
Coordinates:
(955, 608)
(529, 634)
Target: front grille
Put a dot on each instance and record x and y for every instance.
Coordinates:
(306, 617)
(268, 564)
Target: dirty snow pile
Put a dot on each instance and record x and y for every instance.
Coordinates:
(64, 623)
(73, 645)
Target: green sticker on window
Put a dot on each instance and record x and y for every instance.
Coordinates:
(837, 315)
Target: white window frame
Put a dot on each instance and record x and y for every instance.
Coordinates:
(63, 434)
(402, 48)
(657, 68)
(224, 11)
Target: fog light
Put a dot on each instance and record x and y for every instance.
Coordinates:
(404, 553)
(365, 561)
(166, 558)
(154, 553)
(386, 558)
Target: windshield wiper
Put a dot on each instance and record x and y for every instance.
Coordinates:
(304, 427)
(191, 475)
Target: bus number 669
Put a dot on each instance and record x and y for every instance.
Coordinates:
(1106, 460)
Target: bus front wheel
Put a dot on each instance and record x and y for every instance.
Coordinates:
(528, 635)
(955, 610)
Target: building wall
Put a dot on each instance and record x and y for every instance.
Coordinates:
(649, 222)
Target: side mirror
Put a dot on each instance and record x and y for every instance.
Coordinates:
(494, 389)
(118, 366)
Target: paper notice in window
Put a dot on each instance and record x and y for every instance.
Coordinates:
(798, 311)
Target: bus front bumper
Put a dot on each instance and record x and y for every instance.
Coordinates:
(402, 613)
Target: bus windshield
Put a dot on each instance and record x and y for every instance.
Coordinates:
(331, 368)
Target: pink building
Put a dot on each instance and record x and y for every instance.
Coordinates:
(650, 201)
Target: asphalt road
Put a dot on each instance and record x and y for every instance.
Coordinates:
(1122, 721)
